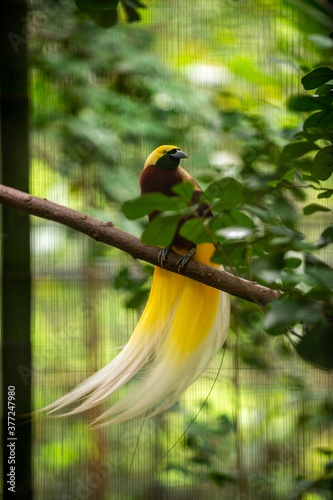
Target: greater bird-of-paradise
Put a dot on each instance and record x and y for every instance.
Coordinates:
(181, 328)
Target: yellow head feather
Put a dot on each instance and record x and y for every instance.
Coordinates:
(157, 153)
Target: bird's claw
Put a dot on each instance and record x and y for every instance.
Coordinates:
(162, 256)
(181, 263)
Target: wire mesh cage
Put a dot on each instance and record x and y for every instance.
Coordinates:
(212, 77)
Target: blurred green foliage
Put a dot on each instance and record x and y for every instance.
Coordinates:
(105, 13)
(255, 223)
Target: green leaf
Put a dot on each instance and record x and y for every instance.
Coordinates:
(132, 14)
(103, 18)
(274, 183)
(254, 360)
(313, 262)
(257, 250)
(296, 150)
(322, 119)
(324, 89)
(323, 163)
(283, 209)
(329, 468)
(185, 189)
(289, 175)
(326, 238)
(124, 280)
(97, 4)
(228, 191)
(230, 254)
(287, 311)
(220, 479)
(193, 230)
(321, 133)
(148, 203)
(317, 292)
(130, 7)
(310, 134)
(162, 229)
(325, 194)
(281, 230)
(317, 77)
(134, 4)
(325, 451)
(317, 345)
(267, 268)
(310, 103)
(236, 218)
(292, 262)
(137, 299)
(314, 207)
(259, 212)
(310, 178)
(225, 425)
(229, 220)
(319, 272)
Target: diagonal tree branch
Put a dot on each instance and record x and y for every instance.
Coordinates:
(106, 232)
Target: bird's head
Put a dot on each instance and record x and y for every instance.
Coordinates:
(165, 157)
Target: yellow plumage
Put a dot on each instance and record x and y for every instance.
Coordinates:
(181, 328)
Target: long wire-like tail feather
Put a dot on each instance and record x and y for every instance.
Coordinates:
(182, 327)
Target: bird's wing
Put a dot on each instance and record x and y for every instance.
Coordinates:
(187, 177)
(204, 209)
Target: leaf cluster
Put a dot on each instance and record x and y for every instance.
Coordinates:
(256, 221)
(317, 133)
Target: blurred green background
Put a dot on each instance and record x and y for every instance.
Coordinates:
(213, 77)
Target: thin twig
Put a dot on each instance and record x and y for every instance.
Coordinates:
(290, 330)
(290, 339)
(305, 186)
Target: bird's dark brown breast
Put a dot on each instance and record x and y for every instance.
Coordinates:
(155, 180)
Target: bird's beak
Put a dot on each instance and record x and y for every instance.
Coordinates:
(179, 154)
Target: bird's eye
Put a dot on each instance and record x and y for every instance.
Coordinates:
(164, 151)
